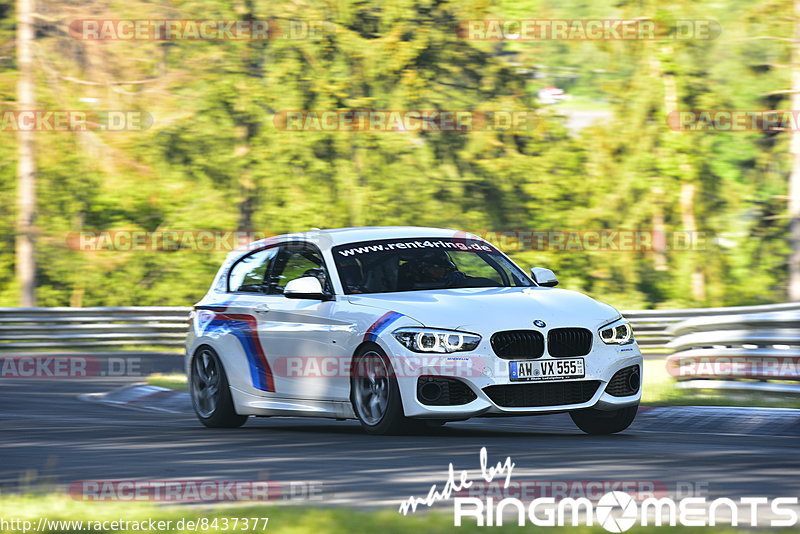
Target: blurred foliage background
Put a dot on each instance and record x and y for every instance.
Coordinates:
(214, 159)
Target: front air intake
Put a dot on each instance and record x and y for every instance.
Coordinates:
(443, 391)
(547, 394)
(625, 382)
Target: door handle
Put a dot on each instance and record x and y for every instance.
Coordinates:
(262, 308)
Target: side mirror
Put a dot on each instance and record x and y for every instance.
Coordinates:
(307, 287)
(543, 277)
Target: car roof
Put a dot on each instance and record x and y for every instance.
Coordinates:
(328, 238)
(340, 236)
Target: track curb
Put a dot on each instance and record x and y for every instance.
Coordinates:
(141, 396)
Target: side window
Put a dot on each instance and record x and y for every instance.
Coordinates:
(480, 266)
(296, 262)
(248, 274)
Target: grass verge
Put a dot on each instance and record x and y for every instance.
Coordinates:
(55, 509)
(168, 381)
(660, 390)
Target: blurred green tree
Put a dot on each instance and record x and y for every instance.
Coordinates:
(215, 158)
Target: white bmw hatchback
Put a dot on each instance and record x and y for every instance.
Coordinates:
(403, 326)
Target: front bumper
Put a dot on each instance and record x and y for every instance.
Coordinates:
(478, 371)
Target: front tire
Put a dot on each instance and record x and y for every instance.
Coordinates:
(374, 393)
(594, 421)
(210, 392)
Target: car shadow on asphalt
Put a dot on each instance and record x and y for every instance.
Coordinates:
(453, 430)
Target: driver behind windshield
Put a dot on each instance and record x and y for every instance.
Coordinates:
(434, 269)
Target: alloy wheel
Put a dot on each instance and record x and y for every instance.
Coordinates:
(372, 388)
(205, 383)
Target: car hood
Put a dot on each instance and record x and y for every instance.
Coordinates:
(490, 309)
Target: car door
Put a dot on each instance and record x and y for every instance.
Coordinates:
(306, 345)
(239, 319)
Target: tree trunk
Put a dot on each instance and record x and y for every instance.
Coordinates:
(698, 282)
(659, 230)
(26, 164)
(794, 178)
(249, 127)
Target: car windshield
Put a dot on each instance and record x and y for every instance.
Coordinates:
(393, 265)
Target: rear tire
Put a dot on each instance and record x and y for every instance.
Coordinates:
(210, 391)
(594, 421)
(375, 395)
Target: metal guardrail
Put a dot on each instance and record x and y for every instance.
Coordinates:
(652, 327)
(751, 351)
(120, 327)
(684, 332)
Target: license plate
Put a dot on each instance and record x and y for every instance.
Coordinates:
(546, 369)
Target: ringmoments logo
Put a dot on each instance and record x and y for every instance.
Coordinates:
(616, 500)
(616, 511)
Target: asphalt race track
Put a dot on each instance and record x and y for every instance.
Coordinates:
(48, 434)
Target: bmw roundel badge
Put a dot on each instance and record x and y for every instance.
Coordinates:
(539, 323)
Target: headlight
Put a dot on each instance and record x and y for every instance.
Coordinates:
(433, 340)
(617, 333)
